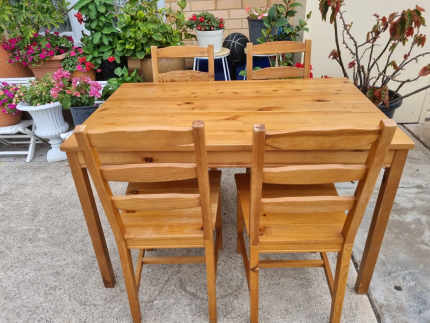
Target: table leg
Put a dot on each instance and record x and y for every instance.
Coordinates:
(95, 230)
(384, 204)
(228, 69)
(224, 68)
(195, 64)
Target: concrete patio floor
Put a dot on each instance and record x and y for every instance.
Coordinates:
(49, 272)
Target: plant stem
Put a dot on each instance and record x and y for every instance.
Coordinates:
(340, 61)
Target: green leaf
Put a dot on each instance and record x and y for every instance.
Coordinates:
(97, 37)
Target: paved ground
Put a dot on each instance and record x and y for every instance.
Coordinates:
(49, 273)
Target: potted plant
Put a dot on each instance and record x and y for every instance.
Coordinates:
(76, 63)
(209, 29)
(255, 22)
(143, 25)
(373, 65)
(123, 76)
(77, 94)
(9, 115)
(100, 35)
(22, 19)
(43, 53)
(48, 119)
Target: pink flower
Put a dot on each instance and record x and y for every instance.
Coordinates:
(51, 53)
(54, 92)
(48, 45)
(77, 94)
(68, 91)
(42, 55)
(72, 53)
(80, 51)
(79, 68)
(61, 51)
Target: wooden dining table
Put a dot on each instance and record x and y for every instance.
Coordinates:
(229, 110)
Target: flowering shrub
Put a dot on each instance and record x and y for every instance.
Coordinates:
(40, 48)
(37, 93)
(377, 64)
(7, 98)
(76, 92)
(257, 13)
(75, 60)
(205, 21)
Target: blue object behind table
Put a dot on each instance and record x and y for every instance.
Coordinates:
(258, 61)
(219, 71)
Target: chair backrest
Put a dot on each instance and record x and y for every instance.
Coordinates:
(144, 140)
(277, 48)
(183, 52)
(375, 141)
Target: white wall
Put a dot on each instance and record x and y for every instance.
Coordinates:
(361, 13)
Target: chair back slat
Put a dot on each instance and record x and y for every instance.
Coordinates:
(149, 173)
(156, 139)
(338, 139)
(149, 139)
(307, 204)
(374, 141)
(183, 76)
(156, 202)
(274, 73)
(278, 48)
(183, 52)
(313, 174)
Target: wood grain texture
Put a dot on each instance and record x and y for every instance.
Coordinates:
(230, 109)
(156, 201)
(149, 173)
(313, 174)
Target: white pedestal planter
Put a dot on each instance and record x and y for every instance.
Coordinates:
(211, 37)
(49, 124)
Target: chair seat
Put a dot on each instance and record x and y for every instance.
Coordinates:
(294, 232)
(171, 228)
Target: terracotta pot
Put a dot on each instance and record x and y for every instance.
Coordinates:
(91, 74)
(11, 69)
(9, 119)
(49, 66)
(144, 66)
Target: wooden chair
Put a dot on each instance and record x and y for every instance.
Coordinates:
(167, 205)
(296, 208)
(183, 52)
(279, 47)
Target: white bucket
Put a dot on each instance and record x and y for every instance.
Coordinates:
(211, 37)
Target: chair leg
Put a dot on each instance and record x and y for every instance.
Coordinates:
(253, 284)
(211, 279)
(130, 282)
(342, 268)
(219, 224)
(239, 225)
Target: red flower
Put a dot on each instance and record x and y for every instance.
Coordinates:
(89, 66)
(221, 25)
(351, 64)
(202, 19)
(199, 27)
(82, 59)
(111, 59)
(78, 16)
(194, 18)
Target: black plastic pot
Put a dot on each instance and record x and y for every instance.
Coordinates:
(255, 27)
(80, 114)
(396, 101)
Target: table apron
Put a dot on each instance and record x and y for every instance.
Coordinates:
(231, 159)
